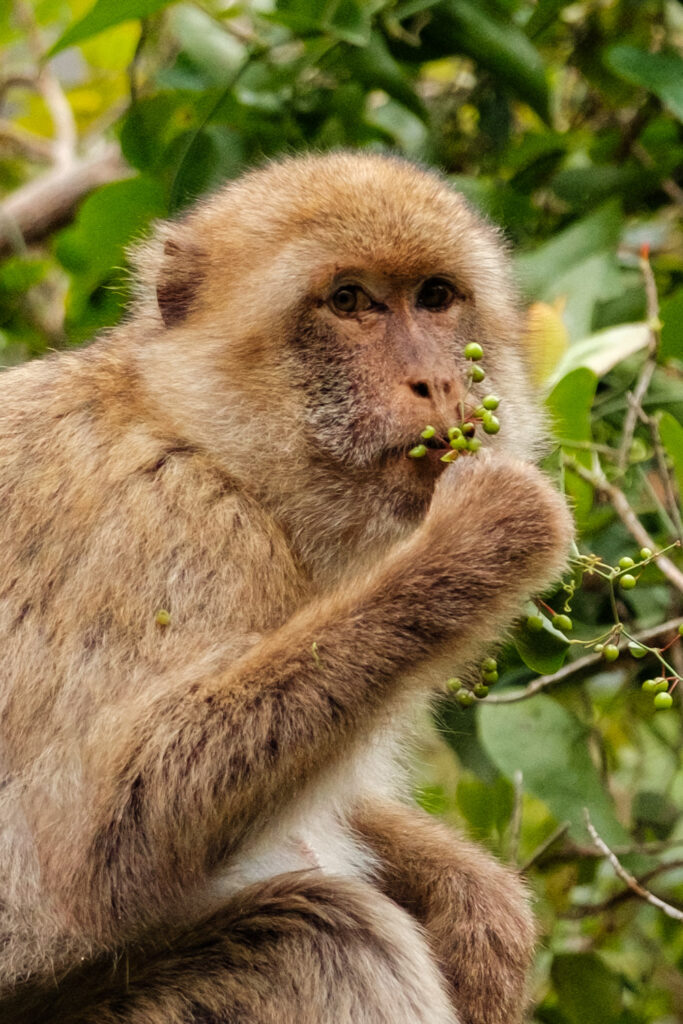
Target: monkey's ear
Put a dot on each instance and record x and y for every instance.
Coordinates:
(178, 280)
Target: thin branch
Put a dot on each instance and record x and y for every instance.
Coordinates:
(65, 131)
(590, 909)
(516, 818)
(599, 481)
(580, 667)
(627, 878)
(648, 368)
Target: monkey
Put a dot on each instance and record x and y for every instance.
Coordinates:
(227, 597)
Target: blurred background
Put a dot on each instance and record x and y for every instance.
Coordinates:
(561, 123)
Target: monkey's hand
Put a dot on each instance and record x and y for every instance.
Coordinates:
(475, 911)
(502, 519)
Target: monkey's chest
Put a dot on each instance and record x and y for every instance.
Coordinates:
(313, 832)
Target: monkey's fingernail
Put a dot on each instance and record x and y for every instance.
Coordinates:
(418, 452)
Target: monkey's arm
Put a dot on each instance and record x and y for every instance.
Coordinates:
(474, 909)
(178, 777)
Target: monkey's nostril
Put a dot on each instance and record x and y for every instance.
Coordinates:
(421, 388)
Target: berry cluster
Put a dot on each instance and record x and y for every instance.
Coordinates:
(467, 696)
(607, 644)
(461, 439)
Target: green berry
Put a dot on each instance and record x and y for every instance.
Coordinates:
(680, 629)
(481, 690)
(562, 622)
(468, 428)
(645, 553)
(627, 582)
(162, 617)
(610, 652)
(454, 684)
(449, 457)
(663, 700)
(479, 412)
(599, 648)
(418, 452)
(661, 684)
(477, 374)
(649, 686)
(490, 677)
(454, 432)
(473, 350)
(489, 665)
(534, 623)
(428, 432)
(490, 402)
(465, 698)
(473, 444)
(626, 562)
(459, 443)
(490, 423)
(637, 650)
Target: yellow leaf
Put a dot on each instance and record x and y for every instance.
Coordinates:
(545, 338)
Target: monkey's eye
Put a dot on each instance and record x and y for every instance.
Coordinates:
(351, 298)
(436, 293)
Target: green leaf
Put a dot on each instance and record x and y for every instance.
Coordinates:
(549, 746)
(374, 66)
(544, 651)
(461, 26)
(671, 433)
(588, 992)
(540, 269)
(671, 315)
(570, 403)
(485, 806)
(105, 14)
(601, 352)
(660, 73)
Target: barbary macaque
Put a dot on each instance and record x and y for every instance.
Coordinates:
(226, 597)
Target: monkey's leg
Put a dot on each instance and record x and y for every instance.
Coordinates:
(301, 949)
(474, 909)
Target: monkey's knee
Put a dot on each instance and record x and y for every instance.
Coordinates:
(488, 935)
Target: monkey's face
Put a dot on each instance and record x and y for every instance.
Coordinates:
(380, 356)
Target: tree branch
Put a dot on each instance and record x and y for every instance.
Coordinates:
(34, 210)
(578, 668)
(599, 481)
(632, 883)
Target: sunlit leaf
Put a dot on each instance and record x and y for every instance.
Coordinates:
(103, 15)
(602, 351)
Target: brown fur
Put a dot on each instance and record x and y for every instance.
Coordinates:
(192, 800)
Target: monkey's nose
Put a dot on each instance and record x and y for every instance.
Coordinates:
(434, 389)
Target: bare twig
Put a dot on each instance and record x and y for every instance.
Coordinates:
(599, 481)
(578, 668)
(648, 368)
(65, 132)
(516, 818)
(590, 909)
(626, 877)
